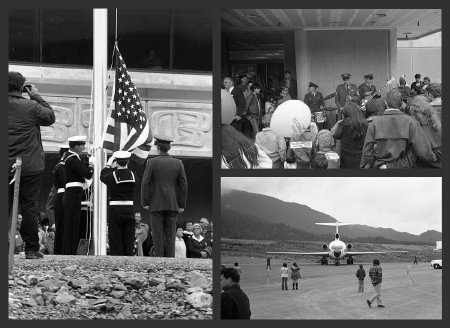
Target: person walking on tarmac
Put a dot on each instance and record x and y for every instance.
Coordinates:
(76, 171)
(164, 193)
(121, 182)
(25, 117)
(59, 182)
(361, 274)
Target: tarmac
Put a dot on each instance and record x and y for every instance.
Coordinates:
(330, 292)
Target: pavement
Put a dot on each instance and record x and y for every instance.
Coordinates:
(330, 292)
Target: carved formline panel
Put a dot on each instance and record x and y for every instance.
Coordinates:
(189, 124)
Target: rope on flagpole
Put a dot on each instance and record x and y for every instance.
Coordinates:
(116, 26)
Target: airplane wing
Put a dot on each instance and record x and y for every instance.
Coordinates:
(362, 253)
(297, 253)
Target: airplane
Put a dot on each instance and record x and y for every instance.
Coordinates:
(337, 250)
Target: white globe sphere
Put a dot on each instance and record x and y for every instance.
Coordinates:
(291, 118)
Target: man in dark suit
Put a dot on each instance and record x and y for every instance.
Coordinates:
(234, 302)
(239, 122)
(163, 193)
(314, 100)
(417, 85)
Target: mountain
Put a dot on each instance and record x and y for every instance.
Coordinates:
(271, 212)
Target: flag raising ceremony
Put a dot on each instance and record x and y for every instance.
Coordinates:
(127, 127)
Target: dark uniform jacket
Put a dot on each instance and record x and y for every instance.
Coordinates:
(164, 184)
(235, 304)
(314, 101)
(239, 99)
(399, 140)
(76, 170)
(59, 175)
(342, 91)
(120, 182)
(363, 88)
(253, 106)
(25, 117)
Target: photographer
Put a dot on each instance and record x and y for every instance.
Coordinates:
(25, 117)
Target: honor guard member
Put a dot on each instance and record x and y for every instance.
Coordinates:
(416, 87)
(367, 88)
(77, 170)
(346, 92)
(163, 193)
(121, 182)
(59, 182)
(315, 102)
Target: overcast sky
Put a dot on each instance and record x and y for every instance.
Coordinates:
(405, 204)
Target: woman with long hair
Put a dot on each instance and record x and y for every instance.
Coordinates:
(352, 132)
(422, 112)
(284, 276)
(239, 152)
(295, 275)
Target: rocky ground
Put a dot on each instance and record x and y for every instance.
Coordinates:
(110, 287)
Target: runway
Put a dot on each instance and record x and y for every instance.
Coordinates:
(330, 292)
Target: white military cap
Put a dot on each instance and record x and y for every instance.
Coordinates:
(122, 154)
(65, 146)
(77, 139)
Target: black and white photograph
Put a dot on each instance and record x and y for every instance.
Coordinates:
(331, 248)
(110, 163)
(331, 88)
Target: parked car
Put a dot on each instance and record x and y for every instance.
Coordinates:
(437, 264)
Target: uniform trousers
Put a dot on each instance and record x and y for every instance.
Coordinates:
(28, 198)
(59, 223)
(163, 225)
(121, 230)
(72, 213)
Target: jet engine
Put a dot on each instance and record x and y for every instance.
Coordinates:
(325, 246)
(349, 246)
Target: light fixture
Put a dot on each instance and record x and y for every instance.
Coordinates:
(379, 15)
(252, 16)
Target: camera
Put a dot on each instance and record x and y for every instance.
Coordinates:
(28, 86)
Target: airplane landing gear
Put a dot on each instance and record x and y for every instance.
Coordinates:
(337, 263)
(324, 261)
(350, 260)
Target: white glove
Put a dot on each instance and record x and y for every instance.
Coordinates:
(91, 160)
(111, 160)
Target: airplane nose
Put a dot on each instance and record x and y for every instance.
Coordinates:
(337, 253)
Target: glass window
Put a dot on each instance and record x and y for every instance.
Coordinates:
(24, 35)
(192, 39)
(143, 36)
(67, 36)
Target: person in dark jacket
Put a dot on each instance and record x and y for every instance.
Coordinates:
(234, 302)
(59, 183)
(361, 274)
(164, 193)
(352, 131)
(121, 182)
(78, 168)
(197, 246)
(395, 140)
(315, 102)
(25, 117)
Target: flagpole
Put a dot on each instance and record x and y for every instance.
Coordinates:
(100, 45)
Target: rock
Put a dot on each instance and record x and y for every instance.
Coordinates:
(30, 302)
(36, 292)
(119, 274)
(173, 283)
(198, 280)
(14, 303)
(118, 294)
(49, 298)
(95, 302)
(64, 298)
(120, 287)
(115, 301)
(77, 283)
(70, 270)
(84, 289)
(125, 313)
(32, 280)
(153, 281)
(194, 289)
(159, 315)
(100, 279)
(136, 282)
(39, 300)
(148, 297)
(200, 300)
(52, 285)
(22, 283)
(161, 287)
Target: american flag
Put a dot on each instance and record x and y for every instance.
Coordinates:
(127, 127)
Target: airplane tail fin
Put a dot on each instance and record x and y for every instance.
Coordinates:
(337, 224)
